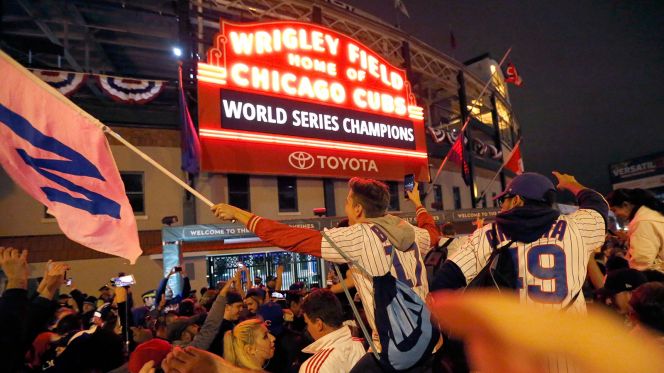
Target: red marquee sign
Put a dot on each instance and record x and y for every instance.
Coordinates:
(292, 98)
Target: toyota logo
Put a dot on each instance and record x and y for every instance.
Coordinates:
(301, 160)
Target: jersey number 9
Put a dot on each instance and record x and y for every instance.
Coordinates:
(556, 272)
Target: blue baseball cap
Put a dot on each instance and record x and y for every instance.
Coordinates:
(529, 185)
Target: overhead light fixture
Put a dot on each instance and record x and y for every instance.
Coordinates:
(177, 52)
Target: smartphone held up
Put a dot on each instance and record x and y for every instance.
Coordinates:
(126, 280)
(408, 184)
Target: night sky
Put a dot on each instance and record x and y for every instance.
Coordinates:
(593, 72)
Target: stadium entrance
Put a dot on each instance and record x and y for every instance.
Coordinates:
(297, 267)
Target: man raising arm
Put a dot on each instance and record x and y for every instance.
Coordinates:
(364, 241)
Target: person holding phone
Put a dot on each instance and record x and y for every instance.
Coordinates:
(370, 226)
(408, 185)
(169, 297)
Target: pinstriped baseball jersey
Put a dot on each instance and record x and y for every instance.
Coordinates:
(362, 243)
(552, 269)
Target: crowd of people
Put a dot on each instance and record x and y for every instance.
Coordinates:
(562, 263)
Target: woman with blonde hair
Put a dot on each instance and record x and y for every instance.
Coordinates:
(249, 345)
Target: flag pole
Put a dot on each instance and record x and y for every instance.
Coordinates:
(486, 188)
(463, 128)
(106, 129)
(159, 167)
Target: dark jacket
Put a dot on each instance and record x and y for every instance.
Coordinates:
(98, 351)
(21, 321)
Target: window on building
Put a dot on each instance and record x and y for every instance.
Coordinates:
(287, 187)
(135, 190)
(394, 195)
(438, 197)
(456, 192)
(483, 201)
(238, 191)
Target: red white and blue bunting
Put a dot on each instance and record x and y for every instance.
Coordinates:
(66, 82)
(130, 91)
(126, 90)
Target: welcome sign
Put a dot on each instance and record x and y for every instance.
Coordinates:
(300, 99)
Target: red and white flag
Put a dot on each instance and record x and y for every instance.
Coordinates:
(59, 155)
(512, 75)
(459, 155)
(514, 162)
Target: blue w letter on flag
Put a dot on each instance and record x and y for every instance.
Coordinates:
(75, 164)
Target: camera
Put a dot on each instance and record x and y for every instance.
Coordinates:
(123, 281)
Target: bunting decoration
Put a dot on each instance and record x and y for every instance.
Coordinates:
(130, 91)
(67, 82)
(125, 90)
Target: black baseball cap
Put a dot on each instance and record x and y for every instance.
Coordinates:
(615, 263)
(529, 185)
(90, 299)
(297, 286)
(626, 279)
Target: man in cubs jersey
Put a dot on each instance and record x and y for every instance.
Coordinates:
(369, 240)
(550, 250)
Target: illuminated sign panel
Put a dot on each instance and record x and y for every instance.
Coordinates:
(271, 90)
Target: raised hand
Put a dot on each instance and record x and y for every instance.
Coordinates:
(15, 265)
(53, 279)
(224, 211)
(227, 286)
(568, 182)
(414, 195)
